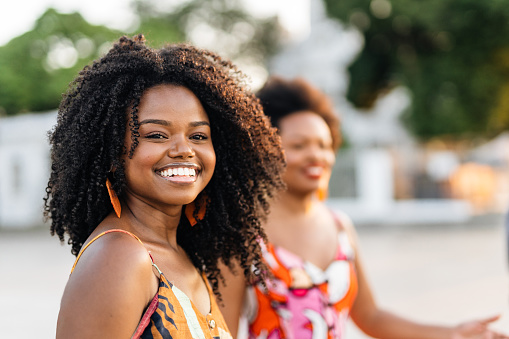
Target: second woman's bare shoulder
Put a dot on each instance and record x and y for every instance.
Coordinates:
(345, 224)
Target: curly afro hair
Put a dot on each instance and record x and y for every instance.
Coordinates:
(280, 97)
(88, 141)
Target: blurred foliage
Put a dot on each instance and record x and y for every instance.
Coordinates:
(38, 65)
(222, 26)
(453, 55)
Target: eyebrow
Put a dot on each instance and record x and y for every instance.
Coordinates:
(168, 123)
(199, 123)
(155, 121)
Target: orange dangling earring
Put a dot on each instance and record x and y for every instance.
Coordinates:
(113, 198)
(322, 193)
(191, 207)
(323, 190)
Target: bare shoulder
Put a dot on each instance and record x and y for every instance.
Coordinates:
(346, 224)
(110, 287)
(114, 255)
(344, 220)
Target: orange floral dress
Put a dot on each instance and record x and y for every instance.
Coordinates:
(289, 309)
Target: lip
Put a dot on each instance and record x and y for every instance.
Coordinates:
(180, 178)
(314, 171)
(179, 164)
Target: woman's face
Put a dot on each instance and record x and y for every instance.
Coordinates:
(175, 158)
(307, 143)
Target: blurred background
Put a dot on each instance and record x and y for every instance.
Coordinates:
(422, 90)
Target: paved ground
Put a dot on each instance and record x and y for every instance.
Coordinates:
(433, 273)
(439, 274)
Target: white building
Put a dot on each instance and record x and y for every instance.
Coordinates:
(24, 168)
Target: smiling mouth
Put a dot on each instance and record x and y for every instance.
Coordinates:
(314, 171)
(178, 172)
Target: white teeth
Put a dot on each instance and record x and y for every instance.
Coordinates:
(181, 171)
(315, 170)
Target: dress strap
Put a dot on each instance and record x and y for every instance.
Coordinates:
(345, 244)
(111, 231)
(337, 218)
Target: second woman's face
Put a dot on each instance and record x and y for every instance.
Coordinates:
(307, 142)
(175, 158)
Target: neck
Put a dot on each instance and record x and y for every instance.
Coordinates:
(152, 225)
(296, 203)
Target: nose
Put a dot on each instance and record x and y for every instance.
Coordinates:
(180, 148)
(314, 152)
(317, 153)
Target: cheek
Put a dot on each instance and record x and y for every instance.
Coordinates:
(327, 157)
(293, 158)
(331, 159)
(208, 157)
(131, 173)
(146, 156)
(292, 171)
(212, 162)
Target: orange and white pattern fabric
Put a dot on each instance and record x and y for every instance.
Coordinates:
(172, 315)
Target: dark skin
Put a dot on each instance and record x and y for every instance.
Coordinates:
(303, 225)
(174, 134)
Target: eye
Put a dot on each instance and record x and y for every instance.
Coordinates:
(325, 145)
(155, 136)
(298, 146)
(199, 136)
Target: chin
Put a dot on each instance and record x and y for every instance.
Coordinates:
(181, 199)
(302, 191)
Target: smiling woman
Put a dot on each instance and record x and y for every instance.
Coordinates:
(312, 253)
(162, 167)
(174, 135)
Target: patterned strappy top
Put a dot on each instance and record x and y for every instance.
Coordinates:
(171, 314)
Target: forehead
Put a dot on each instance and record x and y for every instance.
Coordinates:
(170, 102)
(304, 123)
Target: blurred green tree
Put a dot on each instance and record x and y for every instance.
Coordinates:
(223, 26)
(38, 65)
(453, 55)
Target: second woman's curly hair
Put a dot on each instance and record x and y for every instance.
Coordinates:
(88, 142)
(281, 97)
